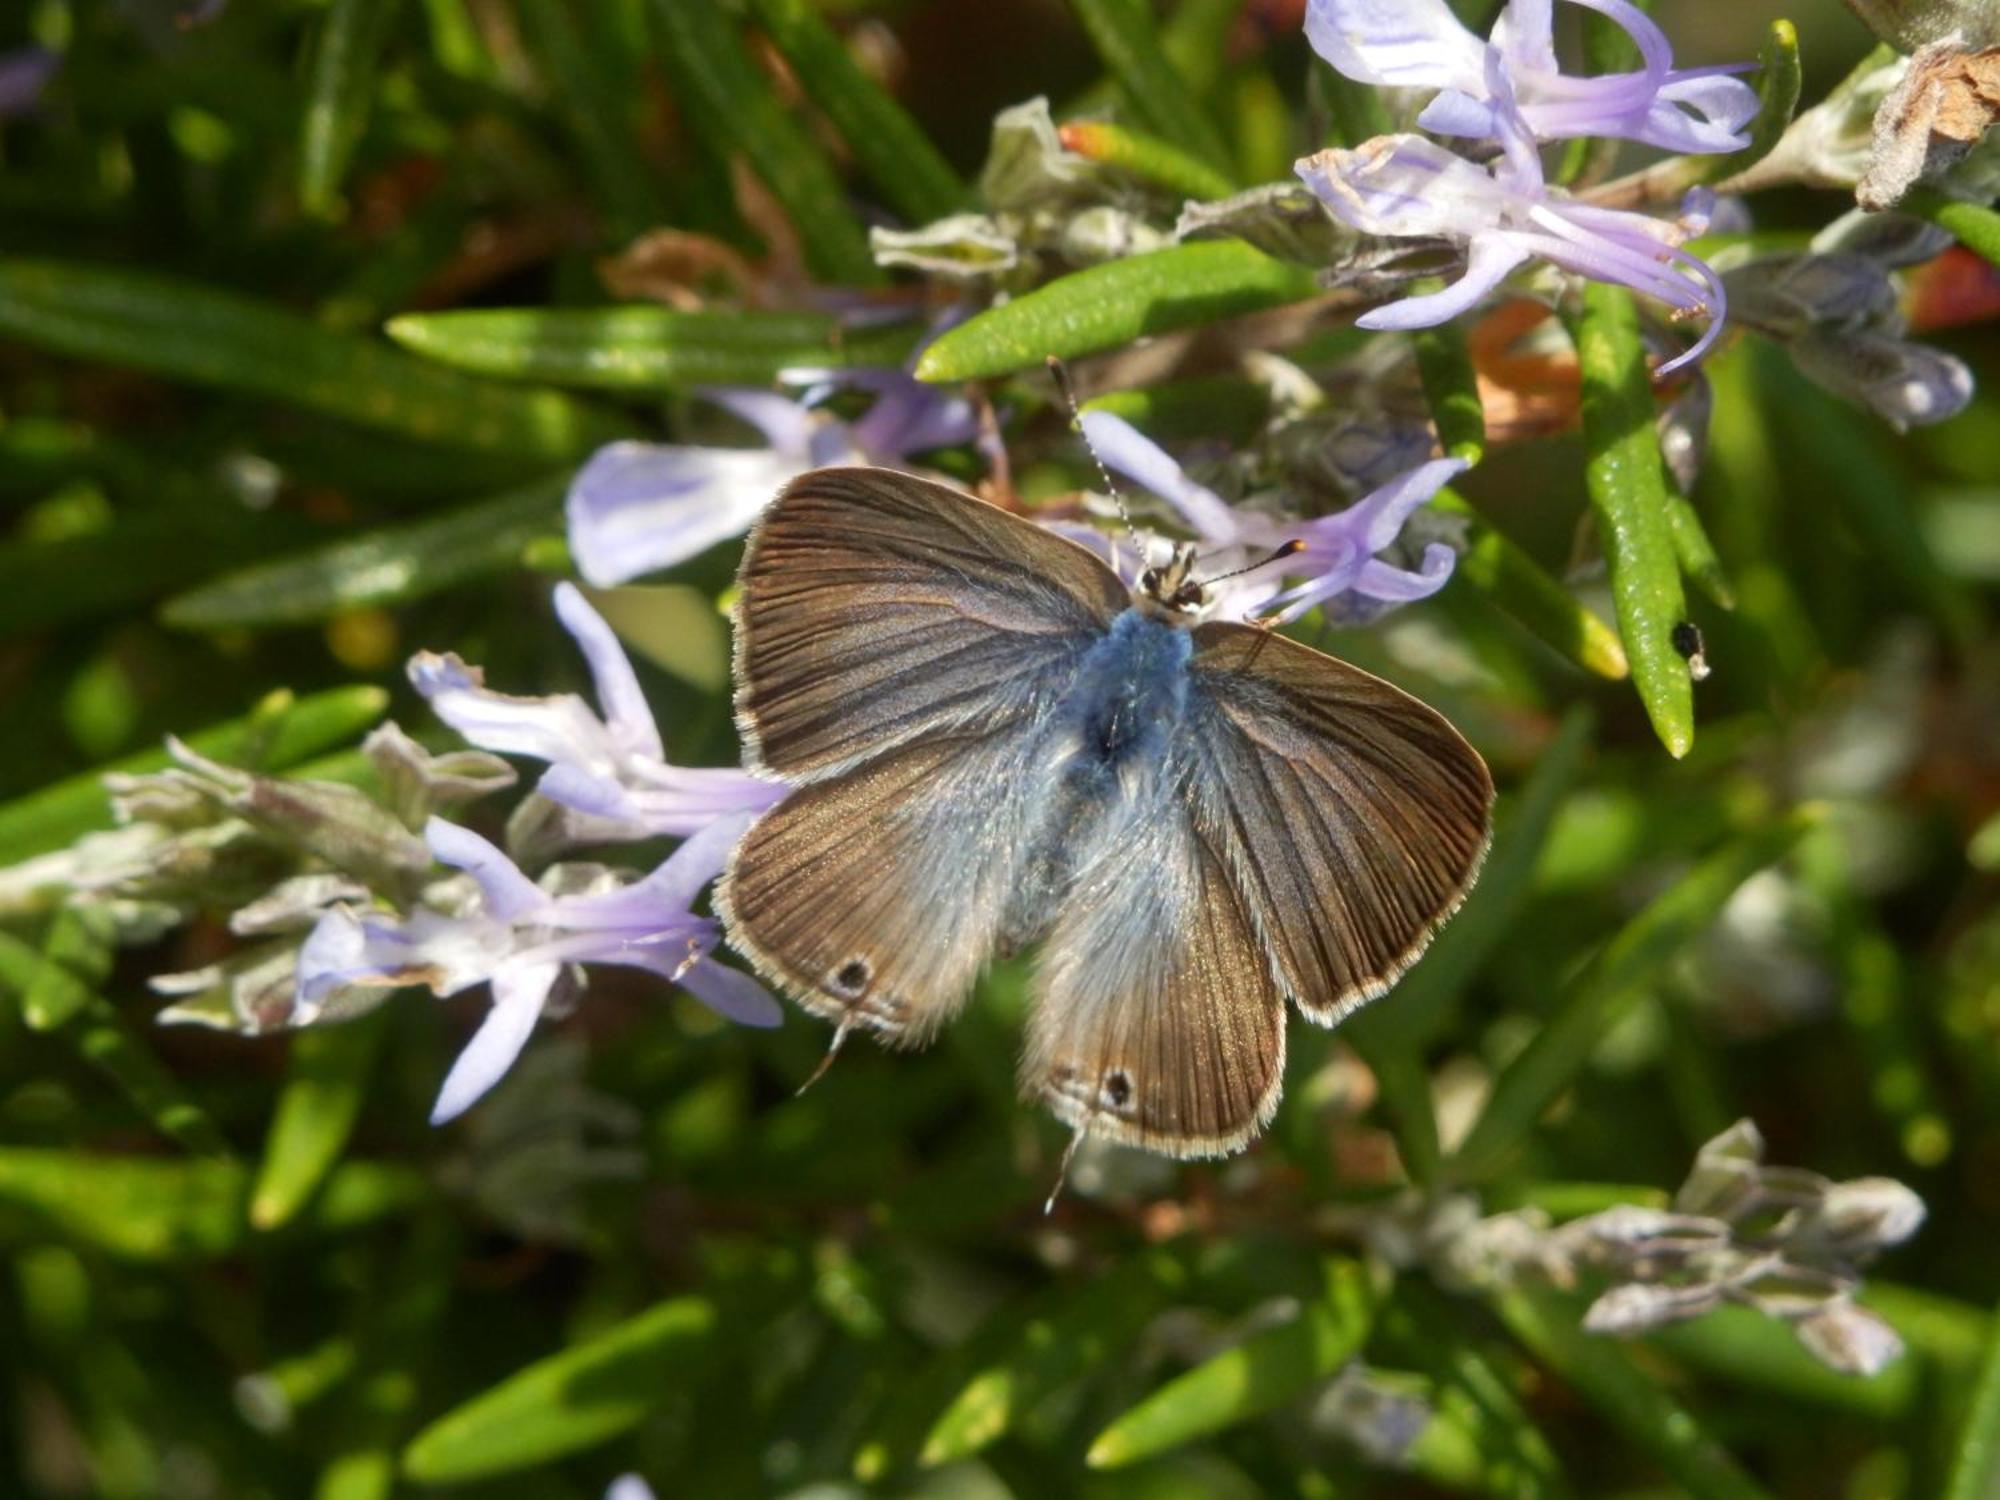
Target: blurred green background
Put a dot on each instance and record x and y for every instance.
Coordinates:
(246, 1267)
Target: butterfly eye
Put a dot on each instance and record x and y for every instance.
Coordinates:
(1149, 581)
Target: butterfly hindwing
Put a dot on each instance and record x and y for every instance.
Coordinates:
(1156, 1019)
(1352, 817)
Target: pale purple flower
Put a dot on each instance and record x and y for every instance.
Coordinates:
(519, 939)
(1337, 566)
(1404, 186)
(638, 507)
(1421, 44)
(610, 766)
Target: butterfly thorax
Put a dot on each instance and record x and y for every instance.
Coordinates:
(1110, 745)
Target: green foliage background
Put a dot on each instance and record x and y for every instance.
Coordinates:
(237, 1267)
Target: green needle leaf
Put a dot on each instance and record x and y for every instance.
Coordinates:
(890, 146)
(640, 348)
(324, 1090)
(1126, 38)
(1637, 1405)
(1110, 305)
(1627, 485)
(1596, 997)
(390, 566)
(189, 331)
(1264, 1371)
(577, 1399)
(732, 106)
(342, 85)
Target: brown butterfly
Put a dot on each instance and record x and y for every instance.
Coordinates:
(994, 742)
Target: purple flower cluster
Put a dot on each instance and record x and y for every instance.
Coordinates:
(1510, 93)
(518, 936)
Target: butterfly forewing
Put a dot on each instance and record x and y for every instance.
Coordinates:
(878, 608)
(900, 651)
(1353, 818)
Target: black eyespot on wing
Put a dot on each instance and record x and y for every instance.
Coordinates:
(1118, 1089)
(852, 977)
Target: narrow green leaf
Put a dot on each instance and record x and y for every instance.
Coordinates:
(76, 956)
(342, 82)
(1356, 111)
(1079, 1333)
(1627, 485)
(391, 566)
(598, 104)
(1195, 39)
(1975, 226)
(1779, 79)
(398, 1333)
(276, 736)
(732, 105)
(1949, 1332)
(577, 1399)
(1755, 1352)
(1823, 439)
(157, 1209)
(1475, 1396)
(1634, 1403)
(1146, 157)
(1976, 1474)
(1596, 997)
(1126, 38)
(93, 1026)
(46, 585)
(136, 1208)
(1107, 306)
(1695, 552)
(324, 1089)
(1264, 1371)
(640, 348)
(1444, 364)
(1519, 586)
(891, 148)
(188, 331)
(1391, 1037)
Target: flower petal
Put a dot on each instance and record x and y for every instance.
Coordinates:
(637, 507)
(624, 706)
(787, 425)
(558, 728)
(518, 994)
(1121, 446)
(732, 993)
(1488, 262)
(1407, 43)
(1379, 516)
(1404, 185)
(508, 894)
(665, 894)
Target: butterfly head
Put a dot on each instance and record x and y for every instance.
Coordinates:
(1172, 586)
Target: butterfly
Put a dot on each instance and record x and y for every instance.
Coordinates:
(993, 742)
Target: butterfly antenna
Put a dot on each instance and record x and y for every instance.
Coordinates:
(1278, 554)
(1060, 372)
(1062, 1171)
(832, 1051)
